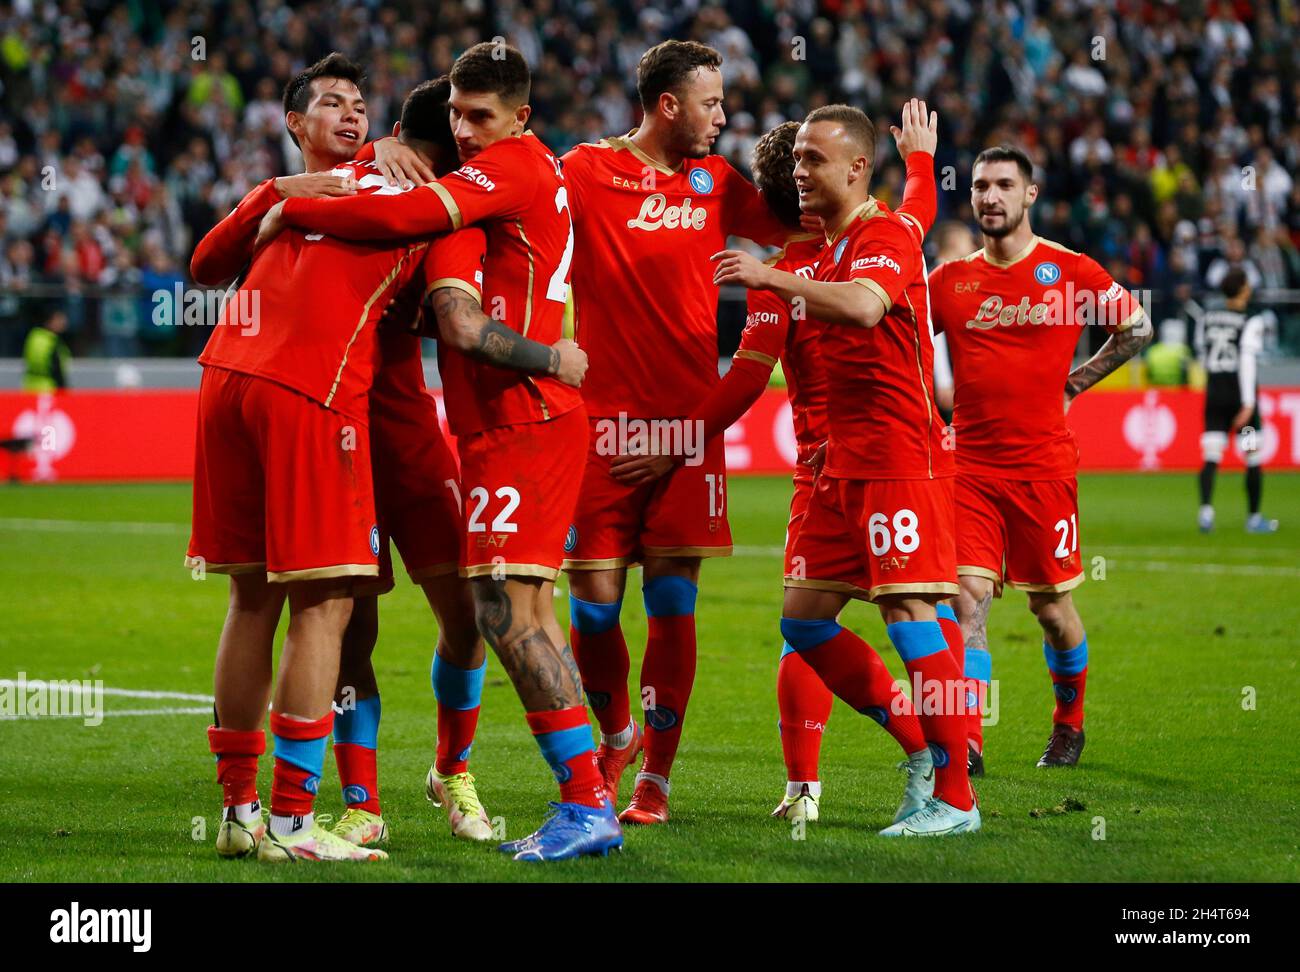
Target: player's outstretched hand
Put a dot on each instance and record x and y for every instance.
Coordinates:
(313, 185)
(271, 225)
(634, 470)
(400, 164)
(738, 267)
(569, 362)
(920, 131)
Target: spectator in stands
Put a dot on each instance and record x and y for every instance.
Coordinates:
(46, 355)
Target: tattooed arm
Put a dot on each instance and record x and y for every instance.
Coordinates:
(1118, 348)
(463, 325)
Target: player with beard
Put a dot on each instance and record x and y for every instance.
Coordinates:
(648, 209)
(1016, 307)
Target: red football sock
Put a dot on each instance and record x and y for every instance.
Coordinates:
(954, 639)
(237, 752)
(564, 736)
(604, 665)
(1068, 690)
(970, 697)
(359, 775)
(456, 728)
(852, 670)
(293, 786)
(667, 675)
(805, 704)
(924, 651)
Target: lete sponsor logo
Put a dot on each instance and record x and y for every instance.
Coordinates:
(657, 214)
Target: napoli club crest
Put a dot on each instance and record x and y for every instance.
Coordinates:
(839, 250)
(571, 539)
(701, 180)
(374, 540)
(1047, 273)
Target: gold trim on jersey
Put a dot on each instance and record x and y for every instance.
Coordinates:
(511, 570)
(758, 356)
(618, 142)
(995, 262)
(456, 284)
(925, 393)
(608, 563)
(865, 210)
(322, 573)
(365, 313)
(914, 221)
(1061, 588)
(876, 289)
(528, 301)
(789, 240)
(834, 587)
(453, 210)
(882, 590)
(970, 570)
(721, 550)
(1129, 321)
(1058, 246)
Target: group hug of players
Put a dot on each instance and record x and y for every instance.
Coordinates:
(317, 442)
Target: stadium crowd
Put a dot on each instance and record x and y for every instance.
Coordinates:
(1165, 132)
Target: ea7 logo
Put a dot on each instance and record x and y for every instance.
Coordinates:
(476, 177)
(871, 262)
(130, 925)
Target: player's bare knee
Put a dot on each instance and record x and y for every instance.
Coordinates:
(687, 567)
(1055, 612)
(504, 613)
(598, 586)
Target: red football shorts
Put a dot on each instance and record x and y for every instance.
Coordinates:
(868, 538)
(519, 486)
(417, 484)
(681, 514)
(1023, 532)
(282, 484)
(804, 479)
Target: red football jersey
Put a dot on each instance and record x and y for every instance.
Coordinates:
(770, 335)
(1012, 331)
(645, 304)
(306, 314)
(883, 420)
(514, 189)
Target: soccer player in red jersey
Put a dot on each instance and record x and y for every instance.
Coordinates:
(648, 209)
(1016, 307)
(879, 524)
(339, 276)
(774, 332)
(521, 439)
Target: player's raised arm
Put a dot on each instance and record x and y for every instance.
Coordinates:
(916, 141)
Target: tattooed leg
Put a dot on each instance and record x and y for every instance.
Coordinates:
(545, 677)
(972, 607)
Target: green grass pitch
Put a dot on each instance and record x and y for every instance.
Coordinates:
(1189, 772)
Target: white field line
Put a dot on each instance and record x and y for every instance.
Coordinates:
(1145, 566)
(109, 712)
(74, 687)
(93, 526)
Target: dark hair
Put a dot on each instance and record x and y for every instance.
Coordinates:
(297, 93)
(424, 117)
(773, 167)
(1233, 283)
(1007, 153)
(855, 122)
(666, 66)
(491, 68)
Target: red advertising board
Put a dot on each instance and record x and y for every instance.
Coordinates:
(149, 435)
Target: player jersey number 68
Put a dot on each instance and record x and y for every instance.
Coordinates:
(904, 537)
